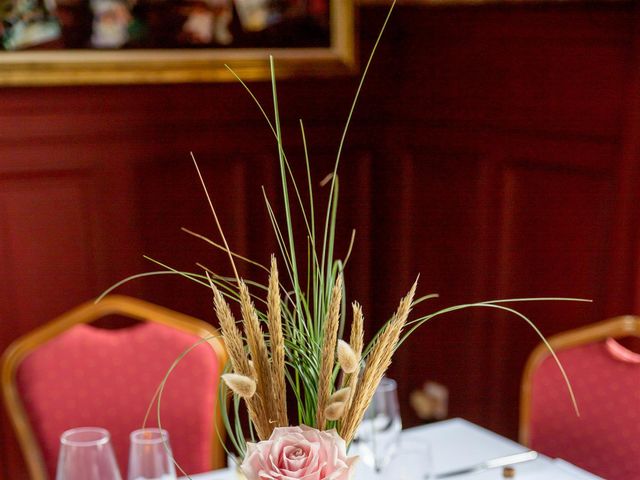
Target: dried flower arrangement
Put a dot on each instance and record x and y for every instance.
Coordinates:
(296, 340)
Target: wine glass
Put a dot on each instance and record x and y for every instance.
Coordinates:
(413, 460)
(150, 456)
(377, 437)
(86, 454)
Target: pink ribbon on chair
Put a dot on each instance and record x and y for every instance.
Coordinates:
(621, 353)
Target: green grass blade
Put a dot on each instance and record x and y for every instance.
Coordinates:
(348, 123)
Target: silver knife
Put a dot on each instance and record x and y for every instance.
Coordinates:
(493, 463)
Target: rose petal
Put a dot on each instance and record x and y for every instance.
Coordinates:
(294, 457)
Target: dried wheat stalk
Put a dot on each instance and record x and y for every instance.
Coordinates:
(260, 357)
(274, 319)
(356, 341)
(377, 363)
(327, 361)
(240, 363)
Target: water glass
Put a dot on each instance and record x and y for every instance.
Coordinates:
(413, 460)
(86, 454)
(377, 437)
(150, 456)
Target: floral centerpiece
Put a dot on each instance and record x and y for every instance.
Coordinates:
(297, 342)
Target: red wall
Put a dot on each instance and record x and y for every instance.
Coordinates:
(495, 152)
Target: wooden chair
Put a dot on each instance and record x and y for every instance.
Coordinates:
(605, 438)
(116, 366)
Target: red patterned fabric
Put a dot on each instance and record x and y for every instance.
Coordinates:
(106, 378)
(605, 439)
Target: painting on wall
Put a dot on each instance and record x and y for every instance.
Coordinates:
(122, 41)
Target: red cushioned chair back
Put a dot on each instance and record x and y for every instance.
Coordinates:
(94, 377)
(605, 377)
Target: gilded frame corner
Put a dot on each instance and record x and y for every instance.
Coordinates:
(89, 67)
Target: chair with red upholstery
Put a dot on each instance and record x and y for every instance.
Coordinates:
(605, 376)
(68, 373)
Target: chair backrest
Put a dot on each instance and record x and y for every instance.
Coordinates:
(67, 374)
(605, 377)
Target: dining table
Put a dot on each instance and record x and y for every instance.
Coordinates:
(457, 444)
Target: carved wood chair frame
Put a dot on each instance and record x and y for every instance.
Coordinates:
(616, 327)
(87, 313)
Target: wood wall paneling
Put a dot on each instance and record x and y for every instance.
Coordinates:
(555, 242)
(55, 209)
(555, 69)
(626, 251)
(48, 255)
(173, 198)
(436, 216)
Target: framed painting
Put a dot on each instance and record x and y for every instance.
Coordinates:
(73, 42)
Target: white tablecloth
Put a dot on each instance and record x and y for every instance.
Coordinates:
(456, 444)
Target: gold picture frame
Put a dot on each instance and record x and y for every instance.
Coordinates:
(96, 67)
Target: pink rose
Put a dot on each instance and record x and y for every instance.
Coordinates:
(300, 453)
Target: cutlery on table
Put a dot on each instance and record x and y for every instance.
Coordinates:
(493, 463)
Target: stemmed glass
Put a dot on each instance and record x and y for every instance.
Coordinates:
(377, 437)
(150, 456)
(413, 460)
(86, 454)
